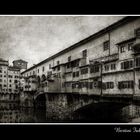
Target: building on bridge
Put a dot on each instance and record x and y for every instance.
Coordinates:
(105, 63)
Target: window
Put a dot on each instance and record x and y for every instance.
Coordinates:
(137, 32)
(69, 58)
(127, 64)
(49, 66)
(33, 72)
(68, 65)
(0, 75)
(0, 71)
(57, 62)
(10, 90)
(84, 71)
(10, 76)
(4, 75)
(137, 61)
(113, 66)
(58, 68)
(125, 84)
(106, 45)
(16, 76)
(0, 80)
(106, 67)
(5, 86)
(73, 74)
(16, 86)
(77, 74)
(84, 53)
(10, 85)
(130, 46)
(73, 86)
(94, 69)
(10, 80)
(84, 84)
(108, 85)
(122, 49)
(90, 85)
(43, 68)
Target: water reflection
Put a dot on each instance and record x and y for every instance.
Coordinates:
(95, 113)
(13, 113)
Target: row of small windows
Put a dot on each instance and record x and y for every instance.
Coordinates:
(125, 84)
(84, 71)
(10, 76)
(1, 71)
(94, 69)
(105, 85)
(127, 64)
(72, 64)
(112, 66)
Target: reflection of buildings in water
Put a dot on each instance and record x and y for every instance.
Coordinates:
(9, 113)
(12, 113)
(27, 115)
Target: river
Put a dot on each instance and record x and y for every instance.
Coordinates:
(96, 113)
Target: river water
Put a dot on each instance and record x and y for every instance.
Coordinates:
(96, 113)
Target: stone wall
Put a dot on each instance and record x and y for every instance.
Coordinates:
(61, 106)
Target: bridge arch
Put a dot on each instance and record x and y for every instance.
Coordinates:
(40, 101)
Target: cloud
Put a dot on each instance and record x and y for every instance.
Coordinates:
(34, 38)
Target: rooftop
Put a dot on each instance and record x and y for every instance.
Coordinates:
(20, 60)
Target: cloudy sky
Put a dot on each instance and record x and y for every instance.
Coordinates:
(35, 38)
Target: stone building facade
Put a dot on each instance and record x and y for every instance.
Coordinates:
(10, 82)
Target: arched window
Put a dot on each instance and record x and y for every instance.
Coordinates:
(43, 78)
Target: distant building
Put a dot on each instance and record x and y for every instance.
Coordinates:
(3, 75)
(10, 80)
(13, 79)
(21, 64)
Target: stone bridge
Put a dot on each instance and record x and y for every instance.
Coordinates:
(60, 106)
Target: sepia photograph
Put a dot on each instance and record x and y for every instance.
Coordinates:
(69, 69)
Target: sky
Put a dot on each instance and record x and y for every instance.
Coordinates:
(35, 38)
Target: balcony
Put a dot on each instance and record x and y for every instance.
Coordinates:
(105, 59)
(111, 58)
